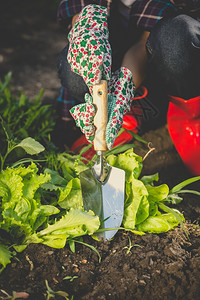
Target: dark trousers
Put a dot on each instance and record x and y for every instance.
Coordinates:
(174, 56)
(174, 59)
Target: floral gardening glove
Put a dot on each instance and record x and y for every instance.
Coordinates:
(89, 50)
(121, 90)
(83, 115)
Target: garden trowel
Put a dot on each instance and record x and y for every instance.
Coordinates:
(102, 185)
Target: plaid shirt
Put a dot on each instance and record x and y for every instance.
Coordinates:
(143, 13)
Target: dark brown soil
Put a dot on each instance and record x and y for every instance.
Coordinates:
(164, 266)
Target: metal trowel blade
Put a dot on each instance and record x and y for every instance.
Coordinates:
(104, 198)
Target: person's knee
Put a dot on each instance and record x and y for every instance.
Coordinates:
(186, 29)
(73, 82)
(173, 39)
(174, 47)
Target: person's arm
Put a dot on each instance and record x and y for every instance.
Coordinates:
(74, 19)
(135, 60)
(68, 11)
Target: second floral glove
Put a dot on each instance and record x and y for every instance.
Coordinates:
(121, 92)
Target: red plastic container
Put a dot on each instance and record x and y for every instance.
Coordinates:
(183, 120)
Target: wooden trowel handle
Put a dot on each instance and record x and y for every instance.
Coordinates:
(100, 95)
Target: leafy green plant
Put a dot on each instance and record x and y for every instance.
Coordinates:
(72, 246)
(29, 145)
(130, 246)
(24, 118)
(24, 219)
(70, 278)
(146, 207)
(51, 294)
(21, 119)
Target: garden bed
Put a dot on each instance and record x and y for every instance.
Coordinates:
(152, 266)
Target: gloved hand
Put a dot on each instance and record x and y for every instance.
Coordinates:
(89, 50)
(83, 115)
(120, 95)
(121, 90)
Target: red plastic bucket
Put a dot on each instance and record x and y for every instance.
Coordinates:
(183, 120)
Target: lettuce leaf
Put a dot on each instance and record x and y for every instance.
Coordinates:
(71, 196)
(71, 165)
(5, 256)
(149, 179)
(161, 223)
(20, 212)
(137, 195)
(31, 146)
(128, 161)
(143, 210)
(75, 223)
(157, 193)
(154, 225)
(55, 182)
